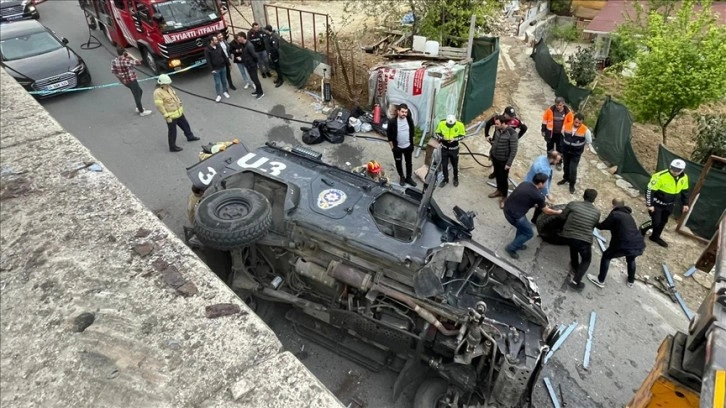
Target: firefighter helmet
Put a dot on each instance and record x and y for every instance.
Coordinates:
(374, 167)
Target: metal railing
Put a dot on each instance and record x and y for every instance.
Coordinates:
(292, 17)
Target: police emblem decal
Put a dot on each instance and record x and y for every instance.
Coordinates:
(330, 198)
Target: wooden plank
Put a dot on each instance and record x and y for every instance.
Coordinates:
(400, 49)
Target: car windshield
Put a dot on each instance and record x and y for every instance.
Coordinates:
(179, 14)
(28, 45)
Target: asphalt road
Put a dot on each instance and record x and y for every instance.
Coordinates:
(631, 322)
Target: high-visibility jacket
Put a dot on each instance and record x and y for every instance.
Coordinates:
(168, 103)
(450, 136)
(548, 120)
(576, 137)
(664, 188)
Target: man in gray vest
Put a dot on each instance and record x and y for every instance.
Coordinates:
(580, 219)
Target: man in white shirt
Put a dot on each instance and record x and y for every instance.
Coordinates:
(400, 138)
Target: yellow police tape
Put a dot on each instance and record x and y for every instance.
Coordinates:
(88, 88)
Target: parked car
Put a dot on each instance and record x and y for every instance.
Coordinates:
(39, 60)
(379, 275)
(11, 10)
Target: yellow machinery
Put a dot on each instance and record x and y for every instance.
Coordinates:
(690, 369)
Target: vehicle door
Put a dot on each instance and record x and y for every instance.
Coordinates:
(142, 18)
(122, 11)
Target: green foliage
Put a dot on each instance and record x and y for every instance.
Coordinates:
(582, 66)
(681, 66)
(561, 7)
(559, 35)
(446, 21)
(711, 138)
(417, 135)
(622, 50)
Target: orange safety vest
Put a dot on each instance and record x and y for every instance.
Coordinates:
(574, 138)
(548, 119)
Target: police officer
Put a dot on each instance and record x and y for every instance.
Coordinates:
(448, 133)
(273, 48)
(576, 135)
(664, 188)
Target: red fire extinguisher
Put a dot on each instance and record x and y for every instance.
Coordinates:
(377, 114)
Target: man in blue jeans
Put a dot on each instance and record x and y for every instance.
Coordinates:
(516, 206)
(217, 61)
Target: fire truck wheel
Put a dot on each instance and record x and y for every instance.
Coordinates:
(431, 394)
(148, 57)
(232, 218)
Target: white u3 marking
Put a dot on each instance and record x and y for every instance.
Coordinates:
(275, 169)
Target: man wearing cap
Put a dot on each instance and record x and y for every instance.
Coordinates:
(448, 133)
(502, 153)
(512, 120)
(554, 120)
(170, 107)
(664, 188)
(576, 135)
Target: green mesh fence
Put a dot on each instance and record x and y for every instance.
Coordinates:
(612, 140)
(298, 63)
(479, 94)
(554, 74)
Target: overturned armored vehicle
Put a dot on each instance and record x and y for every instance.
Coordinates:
(357, 258)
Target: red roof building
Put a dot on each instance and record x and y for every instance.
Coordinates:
(616, 12)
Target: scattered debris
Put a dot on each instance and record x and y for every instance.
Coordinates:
(674, 291)
(690, 272)
(551, 391)
(14, 187)
(221, 309)
(95, 167)
(559, 341)
(588, 345)
(83, 321)
(172, 277)
(160, 264)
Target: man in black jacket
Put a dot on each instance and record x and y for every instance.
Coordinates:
(400, 137)
(237, 51)
(625, 241)
(257, 38)
(504, 149)
(273, 47)
(217, 61)
(249, 57)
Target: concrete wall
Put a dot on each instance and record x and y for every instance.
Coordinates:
(102, 306)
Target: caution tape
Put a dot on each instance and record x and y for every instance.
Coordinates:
(88, 88)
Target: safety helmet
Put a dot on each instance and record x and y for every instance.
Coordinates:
(451, 120)
(164, 79)
(678, 164)
(374, 167)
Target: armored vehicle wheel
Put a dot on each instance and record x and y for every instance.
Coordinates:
(549, 227)
(232, 218)
(431, 393)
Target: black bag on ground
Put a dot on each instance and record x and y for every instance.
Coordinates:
(336, 126)
(314, 135)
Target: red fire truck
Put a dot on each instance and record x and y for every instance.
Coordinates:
(170, 34)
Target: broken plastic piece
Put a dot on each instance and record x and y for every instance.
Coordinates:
(551, 391)
(559, 341)
(588, 345)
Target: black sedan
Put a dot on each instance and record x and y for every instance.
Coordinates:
(11, 10)
(40, 61)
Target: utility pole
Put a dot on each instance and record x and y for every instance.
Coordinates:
(258, 11)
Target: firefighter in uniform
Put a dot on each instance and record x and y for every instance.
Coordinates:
(576, 135)
(372, 170)
(448, 133)
(664, 188)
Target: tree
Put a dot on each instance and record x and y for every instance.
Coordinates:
(711, 138)
(681, 65)
(559, 35)
(582, 66)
